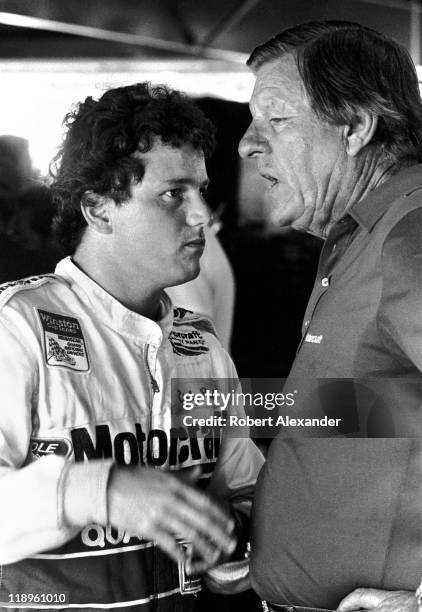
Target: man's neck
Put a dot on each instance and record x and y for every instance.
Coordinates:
(140, 297)
(371, 173)
(356, 180)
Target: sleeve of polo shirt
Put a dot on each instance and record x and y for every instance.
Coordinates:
(400, 312)
(32, 497)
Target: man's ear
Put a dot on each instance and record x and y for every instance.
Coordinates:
(360, 132)
(96, 210)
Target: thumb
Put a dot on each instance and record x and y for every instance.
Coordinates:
(368, 599)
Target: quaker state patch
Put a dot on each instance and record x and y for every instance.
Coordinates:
(64, 343)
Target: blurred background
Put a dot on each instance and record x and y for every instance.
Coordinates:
(55, 53)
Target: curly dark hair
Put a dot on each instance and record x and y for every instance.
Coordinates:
(345, 67)
(101, 136)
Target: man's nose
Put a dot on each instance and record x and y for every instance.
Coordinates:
(198, 212)
(253, 143)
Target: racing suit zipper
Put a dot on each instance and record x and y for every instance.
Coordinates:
(154, 384)
(155, 564)
(155, 389)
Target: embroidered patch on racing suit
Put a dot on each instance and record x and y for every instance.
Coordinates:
(25, 282)
(188, 343)
(64, 343)
(42, 447)
(180, 313)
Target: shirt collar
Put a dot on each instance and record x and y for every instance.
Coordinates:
(110, 311)
(371, 208)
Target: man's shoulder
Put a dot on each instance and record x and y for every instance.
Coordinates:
(404, 212)
(193, 335)
(196, 321)
(403, 222)
(407, 203)
(24, 290)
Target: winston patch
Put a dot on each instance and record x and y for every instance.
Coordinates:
(64, 344)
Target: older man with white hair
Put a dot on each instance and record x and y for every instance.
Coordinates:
(337, 133)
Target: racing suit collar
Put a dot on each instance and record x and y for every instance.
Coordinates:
(111, 312)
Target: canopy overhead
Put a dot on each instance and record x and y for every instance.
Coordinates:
(224, 30)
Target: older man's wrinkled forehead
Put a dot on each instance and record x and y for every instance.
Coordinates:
(279, 87)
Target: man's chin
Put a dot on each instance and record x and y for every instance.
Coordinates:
(300, 226)
(188, 276)
(283, 211)
(289, 217)
(283, 219)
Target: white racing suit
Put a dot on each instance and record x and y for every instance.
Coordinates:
(84, 379)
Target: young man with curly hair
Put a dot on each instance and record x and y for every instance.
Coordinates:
(90, 516)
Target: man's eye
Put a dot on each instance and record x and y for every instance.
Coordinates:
(174, 194)
(204, 192)
(277, 120)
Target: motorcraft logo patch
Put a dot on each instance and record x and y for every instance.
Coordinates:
(64, 344)
(188, 343)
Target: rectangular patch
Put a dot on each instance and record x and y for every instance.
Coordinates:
(64, 344)
(42, 447)
(314, 339)
(188, 583)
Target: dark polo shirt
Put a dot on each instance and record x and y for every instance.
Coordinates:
(343, 511)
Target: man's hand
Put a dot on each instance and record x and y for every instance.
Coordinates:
(158, 506)
(381, 601)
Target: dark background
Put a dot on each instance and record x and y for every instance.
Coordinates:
(228, 24)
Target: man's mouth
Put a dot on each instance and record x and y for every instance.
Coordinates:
(268, 177)
(196, 243)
